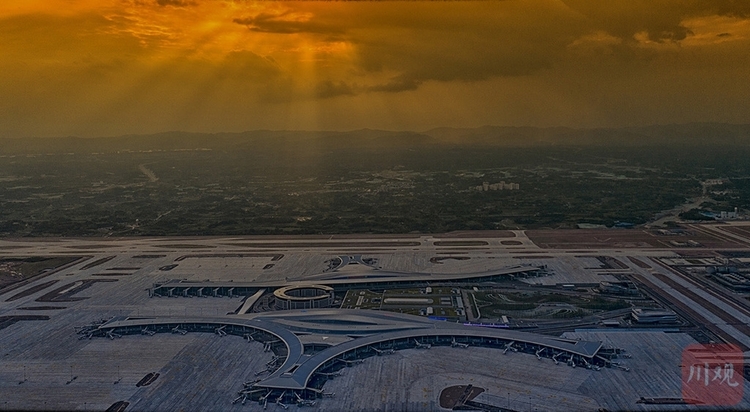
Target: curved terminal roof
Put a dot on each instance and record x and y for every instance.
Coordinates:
(368, 327)
(355, 269)
(357, 275)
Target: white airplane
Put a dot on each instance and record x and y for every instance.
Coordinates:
(422, 345)
(329, 375)
(459, 344)
(278, 401)
(251, 383)
(303, 402)
(352, 362)
(383, 352)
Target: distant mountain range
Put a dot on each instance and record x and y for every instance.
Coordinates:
(681, 134)
(693, 134)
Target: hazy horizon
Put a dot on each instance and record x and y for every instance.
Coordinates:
(426, 131)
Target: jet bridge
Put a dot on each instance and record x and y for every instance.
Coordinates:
(294, 374)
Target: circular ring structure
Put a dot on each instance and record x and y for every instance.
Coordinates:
(304, 296)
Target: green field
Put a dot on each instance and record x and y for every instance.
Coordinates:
(544, 305)
(13, 270)
(336, 186)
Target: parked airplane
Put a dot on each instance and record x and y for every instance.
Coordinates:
(459, 344)
(383, 352)
(329, 375)
(422, 345)
(303, 402)
(352, 362)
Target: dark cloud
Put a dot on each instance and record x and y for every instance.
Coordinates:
(328, 89)
(412, 43)
(248, 65)
(285, 23)
(399, 84)
(662, 20)
(454, 56)
(176, 3)
(731, 8)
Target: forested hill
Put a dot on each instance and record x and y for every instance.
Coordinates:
(694, 134)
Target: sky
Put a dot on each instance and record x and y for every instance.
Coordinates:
(112, 67)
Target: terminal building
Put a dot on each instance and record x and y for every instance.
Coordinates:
(306, 355)
(346, 272)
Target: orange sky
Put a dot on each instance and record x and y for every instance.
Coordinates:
(112, 67)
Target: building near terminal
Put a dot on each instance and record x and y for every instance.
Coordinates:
(618, 288)
(487, 186)
(303, 296)
(653, 316)
(733, 277)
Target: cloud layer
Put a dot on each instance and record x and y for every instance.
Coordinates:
(128, 66)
